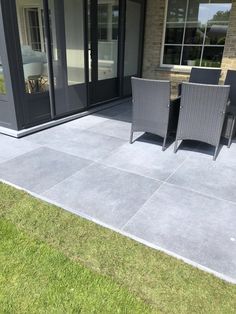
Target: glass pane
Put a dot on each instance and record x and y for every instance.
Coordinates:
(216, 34)
(108, 23)
(197, 11)
(32, 41)
(172, 55)
(218, 17)
(133, 16)
(191, 56)
(176, 10)
(216, 12)
(33, 28)
(201, 11)
(89, 41)
(2, 79)
(212, 57)
(174, 33)
(194, 34)
(74, 31)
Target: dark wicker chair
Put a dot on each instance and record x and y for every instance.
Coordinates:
(203, 76)
(202, 113)
(152, 108)
(230, 119)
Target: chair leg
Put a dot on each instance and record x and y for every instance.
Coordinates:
(216, 151)
(131, 136)
(164, 143)
(231, 133)
(176, 146)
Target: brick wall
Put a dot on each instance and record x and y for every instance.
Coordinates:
(229, 57)
(153, 44)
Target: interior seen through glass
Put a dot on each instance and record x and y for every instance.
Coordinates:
(33, 43)
(2, 79)
(132, 33)
(108, 23)
(33, 48)
(74, 33)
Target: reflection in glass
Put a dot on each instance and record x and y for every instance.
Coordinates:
(212, 57)
(32, 39)
(194, 34)
(174, 33)
(216, 34)
(132, 29)
(172, 54)
(108, 22)
(74, 31)
(191, 56)
(2, 79)
(214, 12)
(196, 11)
(176, 10)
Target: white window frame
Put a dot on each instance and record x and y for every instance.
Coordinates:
(26, 26)
(109, 24)
(179, 67)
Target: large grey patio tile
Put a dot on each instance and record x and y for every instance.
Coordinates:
(114, 128)
(121, 112)
(40, 169)
(86, 122)
(82, 143)
(201, 174)
(11, 147)
(146, 159)
(191, 225)
(125, 116)
(107, 194)
(227, 155)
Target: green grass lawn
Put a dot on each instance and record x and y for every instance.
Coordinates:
(55, 262)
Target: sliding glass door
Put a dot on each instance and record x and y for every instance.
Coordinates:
(134, 29)
(77, 53)
(103, 49)
(68, 55)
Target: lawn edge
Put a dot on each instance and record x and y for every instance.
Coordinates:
(78, 213)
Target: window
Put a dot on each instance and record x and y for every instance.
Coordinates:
(35, 31)
(195, 32)
(2, 80)
(108, 20)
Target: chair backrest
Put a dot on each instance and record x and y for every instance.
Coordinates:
(32, 69)
(231, 80)
(151, 100)
(205, 76)
(202, 112)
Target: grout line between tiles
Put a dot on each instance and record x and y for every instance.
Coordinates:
(129, 171)
(154, 193)
(201, 193)
(69, 177)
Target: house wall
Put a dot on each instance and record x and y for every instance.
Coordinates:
(154, 29)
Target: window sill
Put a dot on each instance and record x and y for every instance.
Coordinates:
(174, 69)
(179, 69)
